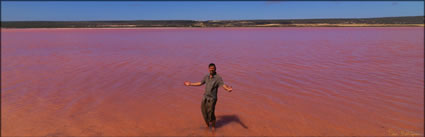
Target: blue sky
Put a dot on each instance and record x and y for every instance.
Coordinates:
(203, 10)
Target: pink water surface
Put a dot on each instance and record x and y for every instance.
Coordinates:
(286, 81)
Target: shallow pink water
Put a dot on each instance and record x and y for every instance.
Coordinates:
(286, 81)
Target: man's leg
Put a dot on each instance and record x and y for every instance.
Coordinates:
(213, 125)
(204, 112)
(213, 114)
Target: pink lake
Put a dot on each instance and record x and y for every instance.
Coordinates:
(349, 81)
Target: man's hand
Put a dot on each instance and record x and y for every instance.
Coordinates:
(187, 83)
(230, 89)
(227, 88)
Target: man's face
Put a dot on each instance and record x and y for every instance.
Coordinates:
(211, 69)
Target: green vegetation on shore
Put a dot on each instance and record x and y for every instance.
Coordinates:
(353, 22)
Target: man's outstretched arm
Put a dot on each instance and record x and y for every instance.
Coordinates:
(187, 83)
(227, 88)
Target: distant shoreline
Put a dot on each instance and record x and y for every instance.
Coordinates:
(296, 26)
(409, 21)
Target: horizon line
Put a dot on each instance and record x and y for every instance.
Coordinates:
(205, 20)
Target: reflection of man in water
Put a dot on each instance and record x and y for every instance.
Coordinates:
(213, 81)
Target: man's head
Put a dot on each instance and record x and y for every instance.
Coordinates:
(212, 68)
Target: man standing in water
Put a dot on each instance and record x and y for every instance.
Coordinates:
(213, 81)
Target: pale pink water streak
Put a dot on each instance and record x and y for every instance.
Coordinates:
(286, 81)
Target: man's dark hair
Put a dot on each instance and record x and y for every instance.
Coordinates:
(212, 64)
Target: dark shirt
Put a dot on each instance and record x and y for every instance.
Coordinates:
(212, 85)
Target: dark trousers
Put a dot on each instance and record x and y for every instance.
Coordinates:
(208, 109)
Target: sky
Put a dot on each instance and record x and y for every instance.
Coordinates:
(203, 10)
